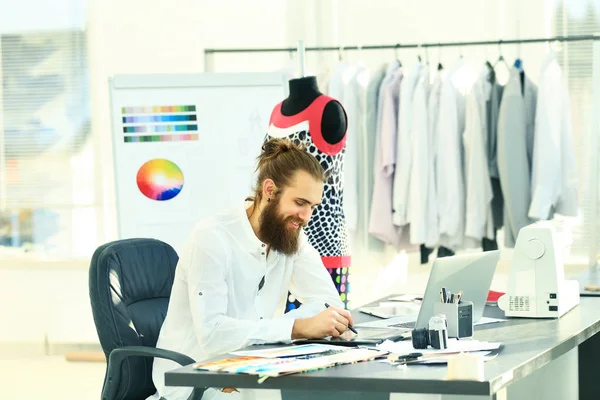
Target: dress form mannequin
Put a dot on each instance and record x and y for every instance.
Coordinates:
(303, 91)
(319, 122)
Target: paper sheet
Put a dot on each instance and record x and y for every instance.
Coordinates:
(270, 367)
(407, 297)
(454, 346)
(486, 320)
(384, 323)
(442, 359)
(288, 351)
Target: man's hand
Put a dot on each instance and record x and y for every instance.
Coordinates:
(332, 321)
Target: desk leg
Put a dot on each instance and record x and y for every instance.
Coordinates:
(589, 354)
(500, 395)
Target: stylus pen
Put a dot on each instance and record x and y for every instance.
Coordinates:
(349, 326)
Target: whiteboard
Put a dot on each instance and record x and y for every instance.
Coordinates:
(185, 147)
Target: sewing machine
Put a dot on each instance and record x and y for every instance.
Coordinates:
(536, 285)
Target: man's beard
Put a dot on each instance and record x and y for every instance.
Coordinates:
(275, 231)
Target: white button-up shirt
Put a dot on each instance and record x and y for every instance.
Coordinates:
(216, 306)
(401, 187)
(554, 170)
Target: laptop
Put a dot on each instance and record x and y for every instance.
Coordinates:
(472, 273)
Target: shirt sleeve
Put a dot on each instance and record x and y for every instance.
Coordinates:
(479, 187)
(546, 167)
(449, 163)
(311, 284)
(417, 204)
(401, 185)
(206, 262)
(387, 132)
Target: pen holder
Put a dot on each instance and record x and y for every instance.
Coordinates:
(459, 317)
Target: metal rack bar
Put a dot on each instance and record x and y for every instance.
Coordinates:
(573, 38)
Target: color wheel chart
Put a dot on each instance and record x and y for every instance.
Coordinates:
(160, 179)
(159, 123)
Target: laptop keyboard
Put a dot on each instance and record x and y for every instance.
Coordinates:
(409, 325)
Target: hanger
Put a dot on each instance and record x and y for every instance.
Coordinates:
(359, 53)
(519, 64)
(553, 47)
(419, 46)
(341, 53)
(501, 57)
(396, 54)
(440, 66)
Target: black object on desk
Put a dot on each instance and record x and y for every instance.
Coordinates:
(366, 337)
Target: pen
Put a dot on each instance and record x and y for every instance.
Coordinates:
(349, 326)
(458, 296)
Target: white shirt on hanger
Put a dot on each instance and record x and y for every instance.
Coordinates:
(450, 163)
(433, 114)
(479, 218)
(216, 305)
(353, 103)
(554, 172)
(419, 173)
(340, 75)
(401, 186)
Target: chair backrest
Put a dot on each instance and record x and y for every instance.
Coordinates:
(130, 284)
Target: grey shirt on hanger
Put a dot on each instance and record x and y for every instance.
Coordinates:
(515, 150)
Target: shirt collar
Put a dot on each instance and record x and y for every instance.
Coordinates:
(250, 242)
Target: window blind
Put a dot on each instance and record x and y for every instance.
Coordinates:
(46, 155)
(581, 17)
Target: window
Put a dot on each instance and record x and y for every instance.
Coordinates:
(47, 191)
(580, 17)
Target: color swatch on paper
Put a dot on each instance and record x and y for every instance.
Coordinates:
(160, 138)
(159, 128)
(141, 123)
(157, 109)
(160, 179)
(158, 118)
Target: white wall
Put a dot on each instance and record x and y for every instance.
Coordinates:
(136, 36)
(150, 36)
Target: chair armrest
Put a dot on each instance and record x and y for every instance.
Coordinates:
(117, 356)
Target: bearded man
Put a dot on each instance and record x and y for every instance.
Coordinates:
(232, 279)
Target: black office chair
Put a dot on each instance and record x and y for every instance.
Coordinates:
(130, 284)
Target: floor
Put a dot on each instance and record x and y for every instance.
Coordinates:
(57, 378)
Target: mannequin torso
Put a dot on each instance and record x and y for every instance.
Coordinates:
(303, 91)
(319, 123)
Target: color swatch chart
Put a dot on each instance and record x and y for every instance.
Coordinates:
(159, 123)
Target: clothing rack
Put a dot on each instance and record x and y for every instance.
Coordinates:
(572, 38)
(592, 138)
